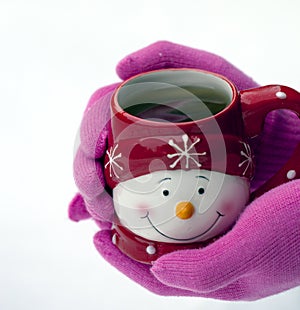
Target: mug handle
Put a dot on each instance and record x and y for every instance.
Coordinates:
(256, 104)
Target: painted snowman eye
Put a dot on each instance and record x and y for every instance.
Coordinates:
(201, 191)
(165, 192)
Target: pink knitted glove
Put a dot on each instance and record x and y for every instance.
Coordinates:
(93, 200)
(259, 257)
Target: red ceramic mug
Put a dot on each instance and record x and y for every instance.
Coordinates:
(178, 159)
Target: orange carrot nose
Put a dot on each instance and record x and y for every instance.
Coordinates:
(184, 210)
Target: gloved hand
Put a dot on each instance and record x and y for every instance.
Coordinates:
(259, 257)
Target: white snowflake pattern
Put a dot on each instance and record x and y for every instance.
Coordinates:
(112, 161)
(185, 152)
(248, 157)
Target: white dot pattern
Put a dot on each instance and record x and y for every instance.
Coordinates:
(291, 174)
(150, 249)
(114, 239)
(281, 95)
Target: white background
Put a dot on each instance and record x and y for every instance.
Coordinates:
(53, 55)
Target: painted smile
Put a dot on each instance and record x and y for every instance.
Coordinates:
(219, 215)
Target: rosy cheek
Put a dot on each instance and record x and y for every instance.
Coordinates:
(142, 209)
(227, 208)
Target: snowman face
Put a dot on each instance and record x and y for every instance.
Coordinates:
(180, 206)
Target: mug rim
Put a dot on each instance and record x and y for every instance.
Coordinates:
(117, 109)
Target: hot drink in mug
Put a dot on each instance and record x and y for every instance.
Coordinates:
(179, 161)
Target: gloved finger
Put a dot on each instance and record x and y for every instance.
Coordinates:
(101, 209)
(202, 271)
(88, 175)
(95, 123)
(164, 54)
(77, 209)
(89, 178)
(263, 243)
(280, 137)
(138, 272)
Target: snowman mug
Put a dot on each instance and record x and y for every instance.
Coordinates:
(179, 162)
